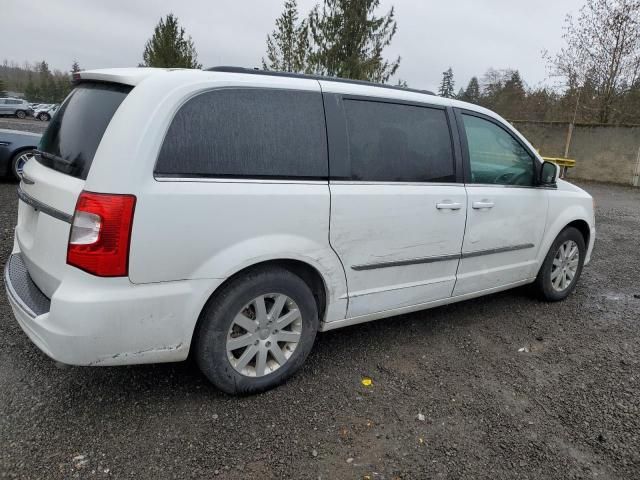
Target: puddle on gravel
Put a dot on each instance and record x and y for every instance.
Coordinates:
(616, 297)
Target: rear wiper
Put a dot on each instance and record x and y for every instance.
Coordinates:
(51, 156)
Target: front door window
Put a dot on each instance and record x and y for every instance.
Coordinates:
(495, 156)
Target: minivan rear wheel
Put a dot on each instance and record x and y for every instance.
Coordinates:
(257, 331)
(562, 266)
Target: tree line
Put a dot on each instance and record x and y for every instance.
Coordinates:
(505, 92)
(596, 73)
(37, 82)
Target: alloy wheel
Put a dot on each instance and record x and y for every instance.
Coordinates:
(264, 335)
(565, 266)
(20, 162)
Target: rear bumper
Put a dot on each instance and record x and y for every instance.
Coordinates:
(107, 321)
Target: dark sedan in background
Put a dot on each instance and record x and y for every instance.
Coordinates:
(15, 149)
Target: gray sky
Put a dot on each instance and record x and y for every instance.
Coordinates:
(468, 35)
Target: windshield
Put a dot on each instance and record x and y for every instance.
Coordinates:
(72, 138)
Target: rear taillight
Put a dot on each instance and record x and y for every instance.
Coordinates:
(101, 234)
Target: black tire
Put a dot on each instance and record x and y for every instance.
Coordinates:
(543, 281)
(217, 317)
(44, 117)
(21, 114)
(14, 163)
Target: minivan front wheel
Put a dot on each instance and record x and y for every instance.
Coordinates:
(562, 266)
(257, 331)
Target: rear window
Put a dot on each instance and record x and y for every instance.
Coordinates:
(247, 133)
(72, 138)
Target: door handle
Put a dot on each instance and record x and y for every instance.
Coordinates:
(483, 204)
(448, 206)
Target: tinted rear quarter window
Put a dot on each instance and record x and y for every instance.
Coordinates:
(247, 132)
(392, 142)
(72, 138)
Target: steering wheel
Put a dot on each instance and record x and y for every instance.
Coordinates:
(503, 179)
(510, 178)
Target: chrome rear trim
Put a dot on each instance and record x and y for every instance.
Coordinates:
(43, 207)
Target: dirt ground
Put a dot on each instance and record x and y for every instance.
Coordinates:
(26, 125)
(452, 397)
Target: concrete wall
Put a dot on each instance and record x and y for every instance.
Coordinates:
(606, 153)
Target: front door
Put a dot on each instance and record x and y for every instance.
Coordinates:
(506, 213)
(397, 220)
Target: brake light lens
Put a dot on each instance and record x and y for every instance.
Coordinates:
(100, 234)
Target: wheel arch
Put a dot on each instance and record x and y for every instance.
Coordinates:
(583, 227)
(575, 217)
(307, 272)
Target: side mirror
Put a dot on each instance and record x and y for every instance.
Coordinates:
(548, 174)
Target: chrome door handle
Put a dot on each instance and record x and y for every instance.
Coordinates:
(478, 205)
(448, 206)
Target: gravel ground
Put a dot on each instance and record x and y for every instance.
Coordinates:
(26, 125)
(451, 396)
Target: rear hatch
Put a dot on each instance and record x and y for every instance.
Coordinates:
(53, 181)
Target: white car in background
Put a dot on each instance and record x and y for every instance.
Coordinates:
(45, 112)
(251, 210)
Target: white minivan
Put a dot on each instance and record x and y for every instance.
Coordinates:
(233, 213)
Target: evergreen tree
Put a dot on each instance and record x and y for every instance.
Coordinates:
(31, 91)
(472, 93)
(460, 95)
(512, 96)
(288, 44)
(46, 86)
(169, 47)
(63, 87)
(3, 88)
(75, 68)
(348, 40)
(514, 85)
(447, 86)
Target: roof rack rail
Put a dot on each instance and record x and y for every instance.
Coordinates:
(256, 71)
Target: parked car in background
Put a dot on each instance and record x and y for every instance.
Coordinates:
(15, 149)
(39, 107)
(15, 107)
(260, 208)
(45, 112)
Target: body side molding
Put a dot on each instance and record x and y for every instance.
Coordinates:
(441, 258)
